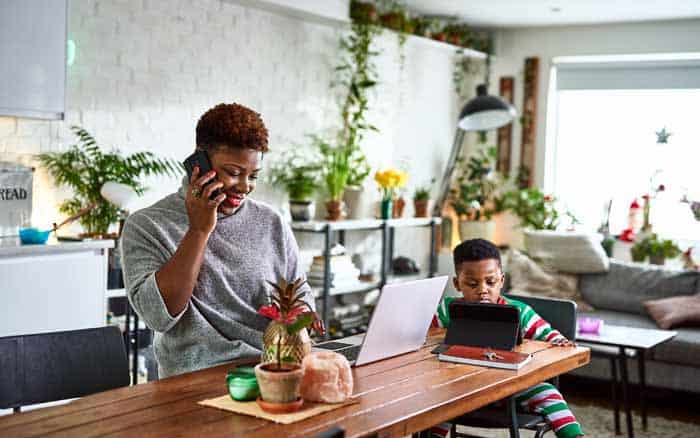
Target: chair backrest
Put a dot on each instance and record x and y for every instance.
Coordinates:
(561, 314)
(60, 365)
(334, 432)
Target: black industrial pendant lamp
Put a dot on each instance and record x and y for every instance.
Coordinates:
(485, 112)
(482, 113)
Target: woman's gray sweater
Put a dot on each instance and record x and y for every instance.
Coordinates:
(220, 322)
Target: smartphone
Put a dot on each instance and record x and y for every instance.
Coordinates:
(200, 158)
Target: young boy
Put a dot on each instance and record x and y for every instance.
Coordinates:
(479, 279)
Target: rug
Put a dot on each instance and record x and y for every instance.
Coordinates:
(598, 422)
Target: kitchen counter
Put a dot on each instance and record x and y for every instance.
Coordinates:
(52, 287)
(12, 247)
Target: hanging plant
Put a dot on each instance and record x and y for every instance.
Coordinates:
(357, 77)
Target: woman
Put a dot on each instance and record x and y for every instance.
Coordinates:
(194, 267)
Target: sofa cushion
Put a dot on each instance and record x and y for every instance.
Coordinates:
(527, 277)
(675, 311)
(567, 251)
(627, 285)
(684, 348)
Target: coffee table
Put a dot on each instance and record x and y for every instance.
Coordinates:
(626, 338)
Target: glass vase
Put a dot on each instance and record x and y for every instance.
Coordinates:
(385, 209)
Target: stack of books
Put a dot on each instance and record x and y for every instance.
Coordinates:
(486, 357)
(343, 274)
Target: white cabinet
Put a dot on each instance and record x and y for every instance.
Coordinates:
(56, 287)
(33, 58)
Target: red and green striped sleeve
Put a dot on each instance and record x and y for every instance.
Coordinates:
(532, 325)
(442, 318)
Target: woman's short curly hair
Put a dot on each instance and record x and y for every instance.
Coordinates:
(231, 125)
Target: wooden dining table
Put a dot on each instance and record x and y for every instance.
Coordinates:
(393, 397)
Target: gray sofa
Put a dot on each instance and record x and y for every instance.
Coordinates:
(617, 297)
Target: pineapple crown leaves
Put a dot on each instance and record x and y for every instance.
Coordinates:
(287, 306)
(287, 296)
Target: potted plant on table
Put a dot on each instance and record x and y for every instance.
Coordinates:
(285, 343)
(86, 169)
(389, 180)
(298, 172)
(658, 250)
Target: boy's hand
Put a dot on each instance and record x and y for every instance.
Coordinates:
(563, 342)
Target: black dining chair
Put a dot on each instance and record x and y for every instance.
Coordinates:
(56, 366)
(561, 315)
(334, 432)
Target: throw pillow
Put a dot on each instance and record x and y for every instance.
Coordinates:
(675, 311)
(527, 277)
(567, 251)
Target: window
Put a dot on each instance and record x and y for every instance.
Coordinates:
(605, 143)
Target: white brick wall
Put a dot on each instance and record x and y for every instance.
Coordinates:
(145, 70)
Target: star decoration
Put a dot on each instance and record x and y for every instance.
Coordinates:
(662, 136)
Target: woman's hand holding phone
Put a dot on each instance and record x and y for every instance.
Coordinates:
(201, 210)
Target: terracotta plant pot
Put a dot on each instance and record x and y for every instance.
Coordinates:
(440, 36)
(392, 20)
(279, 385)
(363, 12)
(335, 210)
(397, 208)
(421, 207)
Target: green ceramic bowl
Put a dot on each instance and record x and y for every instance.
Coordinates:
(242, 384)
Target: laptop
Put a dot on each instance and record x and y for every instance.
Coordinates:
(398, 325)
(482, 325)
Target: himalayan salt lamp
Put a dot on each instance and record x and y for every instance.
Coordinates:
(327, 377)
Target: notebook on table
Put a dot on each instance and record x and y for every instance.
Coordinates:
(488, 357)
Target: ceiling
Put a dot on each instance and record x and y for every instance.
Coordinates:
(520, 13)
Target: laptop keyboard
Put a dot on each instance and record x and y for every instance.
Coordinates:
(350, 353)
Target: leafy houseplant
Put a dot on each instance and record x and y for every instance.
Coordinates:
(85, 168)
(421, 199)
(534, 209)
(298, 172)
(474, 194)
(658, 250)
(285, 342)
(346, 165)
(335, 170)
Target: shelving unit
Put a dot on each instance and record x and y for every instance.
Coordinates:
(335, 231)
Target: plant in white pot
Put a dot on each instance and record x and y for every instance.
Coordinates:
(358, 172)
(474, 195)
(298, 172)
(285, 343)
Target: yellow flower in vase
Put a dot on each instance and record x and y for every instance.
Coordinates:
(389, 180)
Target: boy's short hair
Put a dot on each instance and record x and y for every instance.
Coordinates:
(475, 250)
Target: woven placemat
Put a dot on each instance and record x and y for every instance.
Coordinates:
(309, 409)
